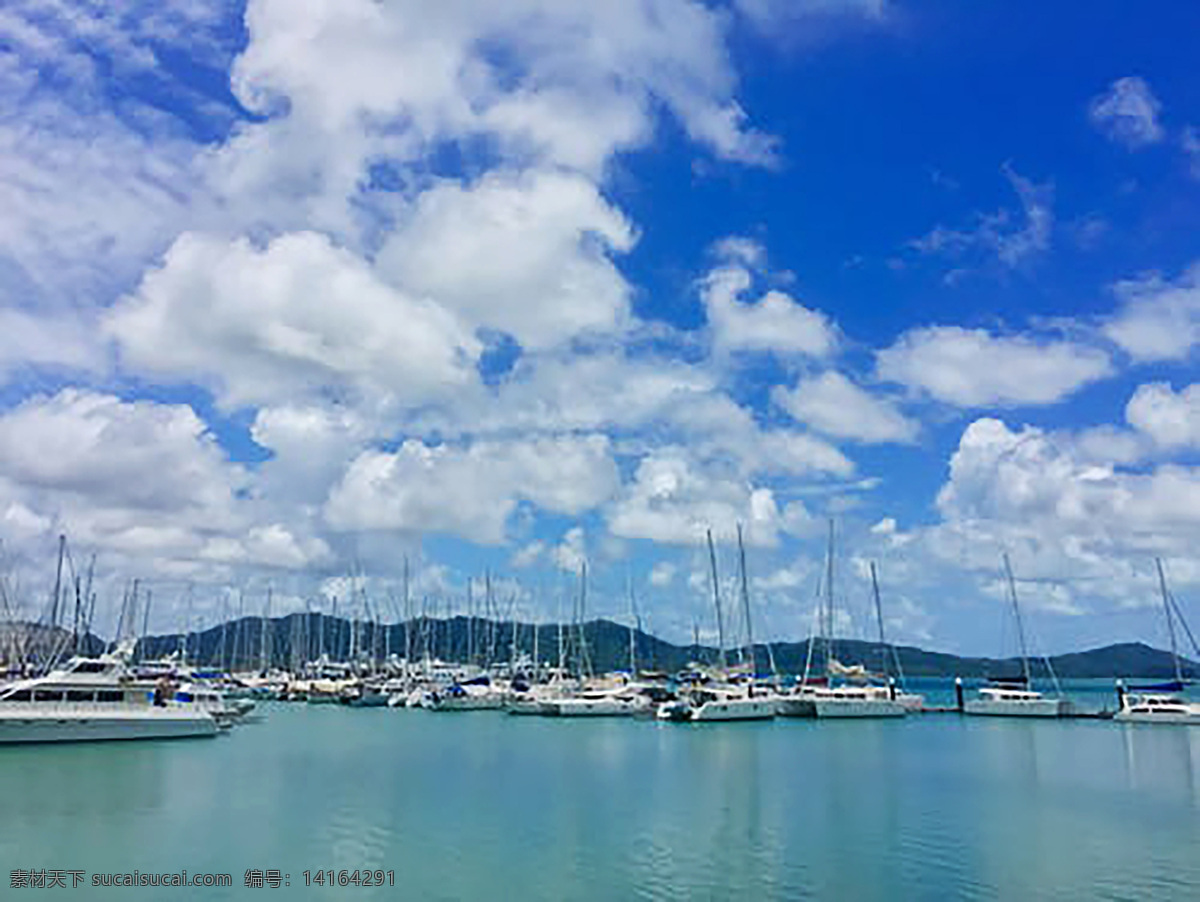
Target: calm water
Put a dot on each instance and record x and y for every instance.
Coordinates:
(486, 806)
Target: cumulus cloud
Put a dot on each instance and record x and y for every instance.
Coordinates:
(672, 499)
(772, 322)
(834, 405)
(526, 255)
(1128, 113)
(298, 318)
(135, 479)
(1170, 419)
(974, 368)
(471, 491)
(1158, 319)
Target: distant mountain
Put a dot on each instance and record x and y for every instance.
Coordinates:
(299, 637)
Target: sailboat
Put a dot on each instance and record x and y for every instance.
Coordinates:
(1163, 702)
(910, 700)
(1012, 696)
(722, 699)
(846, 691)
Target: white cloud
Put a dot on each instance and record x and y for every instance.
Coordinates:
(96, 171)
(571, 553)
(832, 404)
(1000, 235)
(1029, 480)
(1170, 419)
(348, 82)
(138, 480)
(529, 555)
(771, 13)
(674, 500)
(1190, 142)
(973, 368)
(471, 491)
(576, 391)
(1128, 113)
(1158, 319)
(526, 255)
(299, 318)
(773, 322)
(48, 340)
(714, 427)
(662, 574)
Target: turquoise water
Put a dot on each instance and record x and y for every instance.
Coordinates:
(486, 806)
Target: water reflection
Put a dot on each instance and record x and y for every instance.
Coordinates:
(1161, 759)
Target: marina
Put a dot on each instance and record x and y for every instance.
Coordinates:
(921, 807)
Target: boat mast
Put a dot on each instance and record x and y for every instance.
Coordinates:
(879, 616)
(882, 638)
(408, 646)
(712, 562)
(263, 637)
(746, 603)
(633, 624)
(583, 648)
(1012, 591)
(828, 628)
(62, 551)
(1162, 585)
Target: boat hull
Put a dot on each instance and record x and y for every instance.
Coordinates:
(1170, 718)
(89, 726)
(736, 709)
(531, 708)
(465, 703)
(850, 708)
(582, 708)
(795, 707)
(1042, 707)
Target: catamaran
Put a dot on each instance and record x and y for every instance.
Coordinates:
(722, 697)
(1013, 696)
(95, 699)
(1162, 702)
(845, 691)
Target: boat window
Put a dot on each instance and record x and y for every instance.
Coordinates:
(48, 695)
(80, 695)
(110, 695)
(21, 695)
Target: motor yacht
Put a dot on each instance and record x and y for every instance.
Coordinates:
(97, 699)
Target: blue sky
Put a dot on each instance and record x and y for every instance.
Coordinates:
(290, 292)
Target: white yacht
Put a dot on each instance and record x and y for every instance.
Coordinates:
(720, 704)
(479, 697)
(1141, 706)
(604, 703)
(1162, 703)
(856, 701)
(848, 690)
(94, 699)
(1012, 698)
